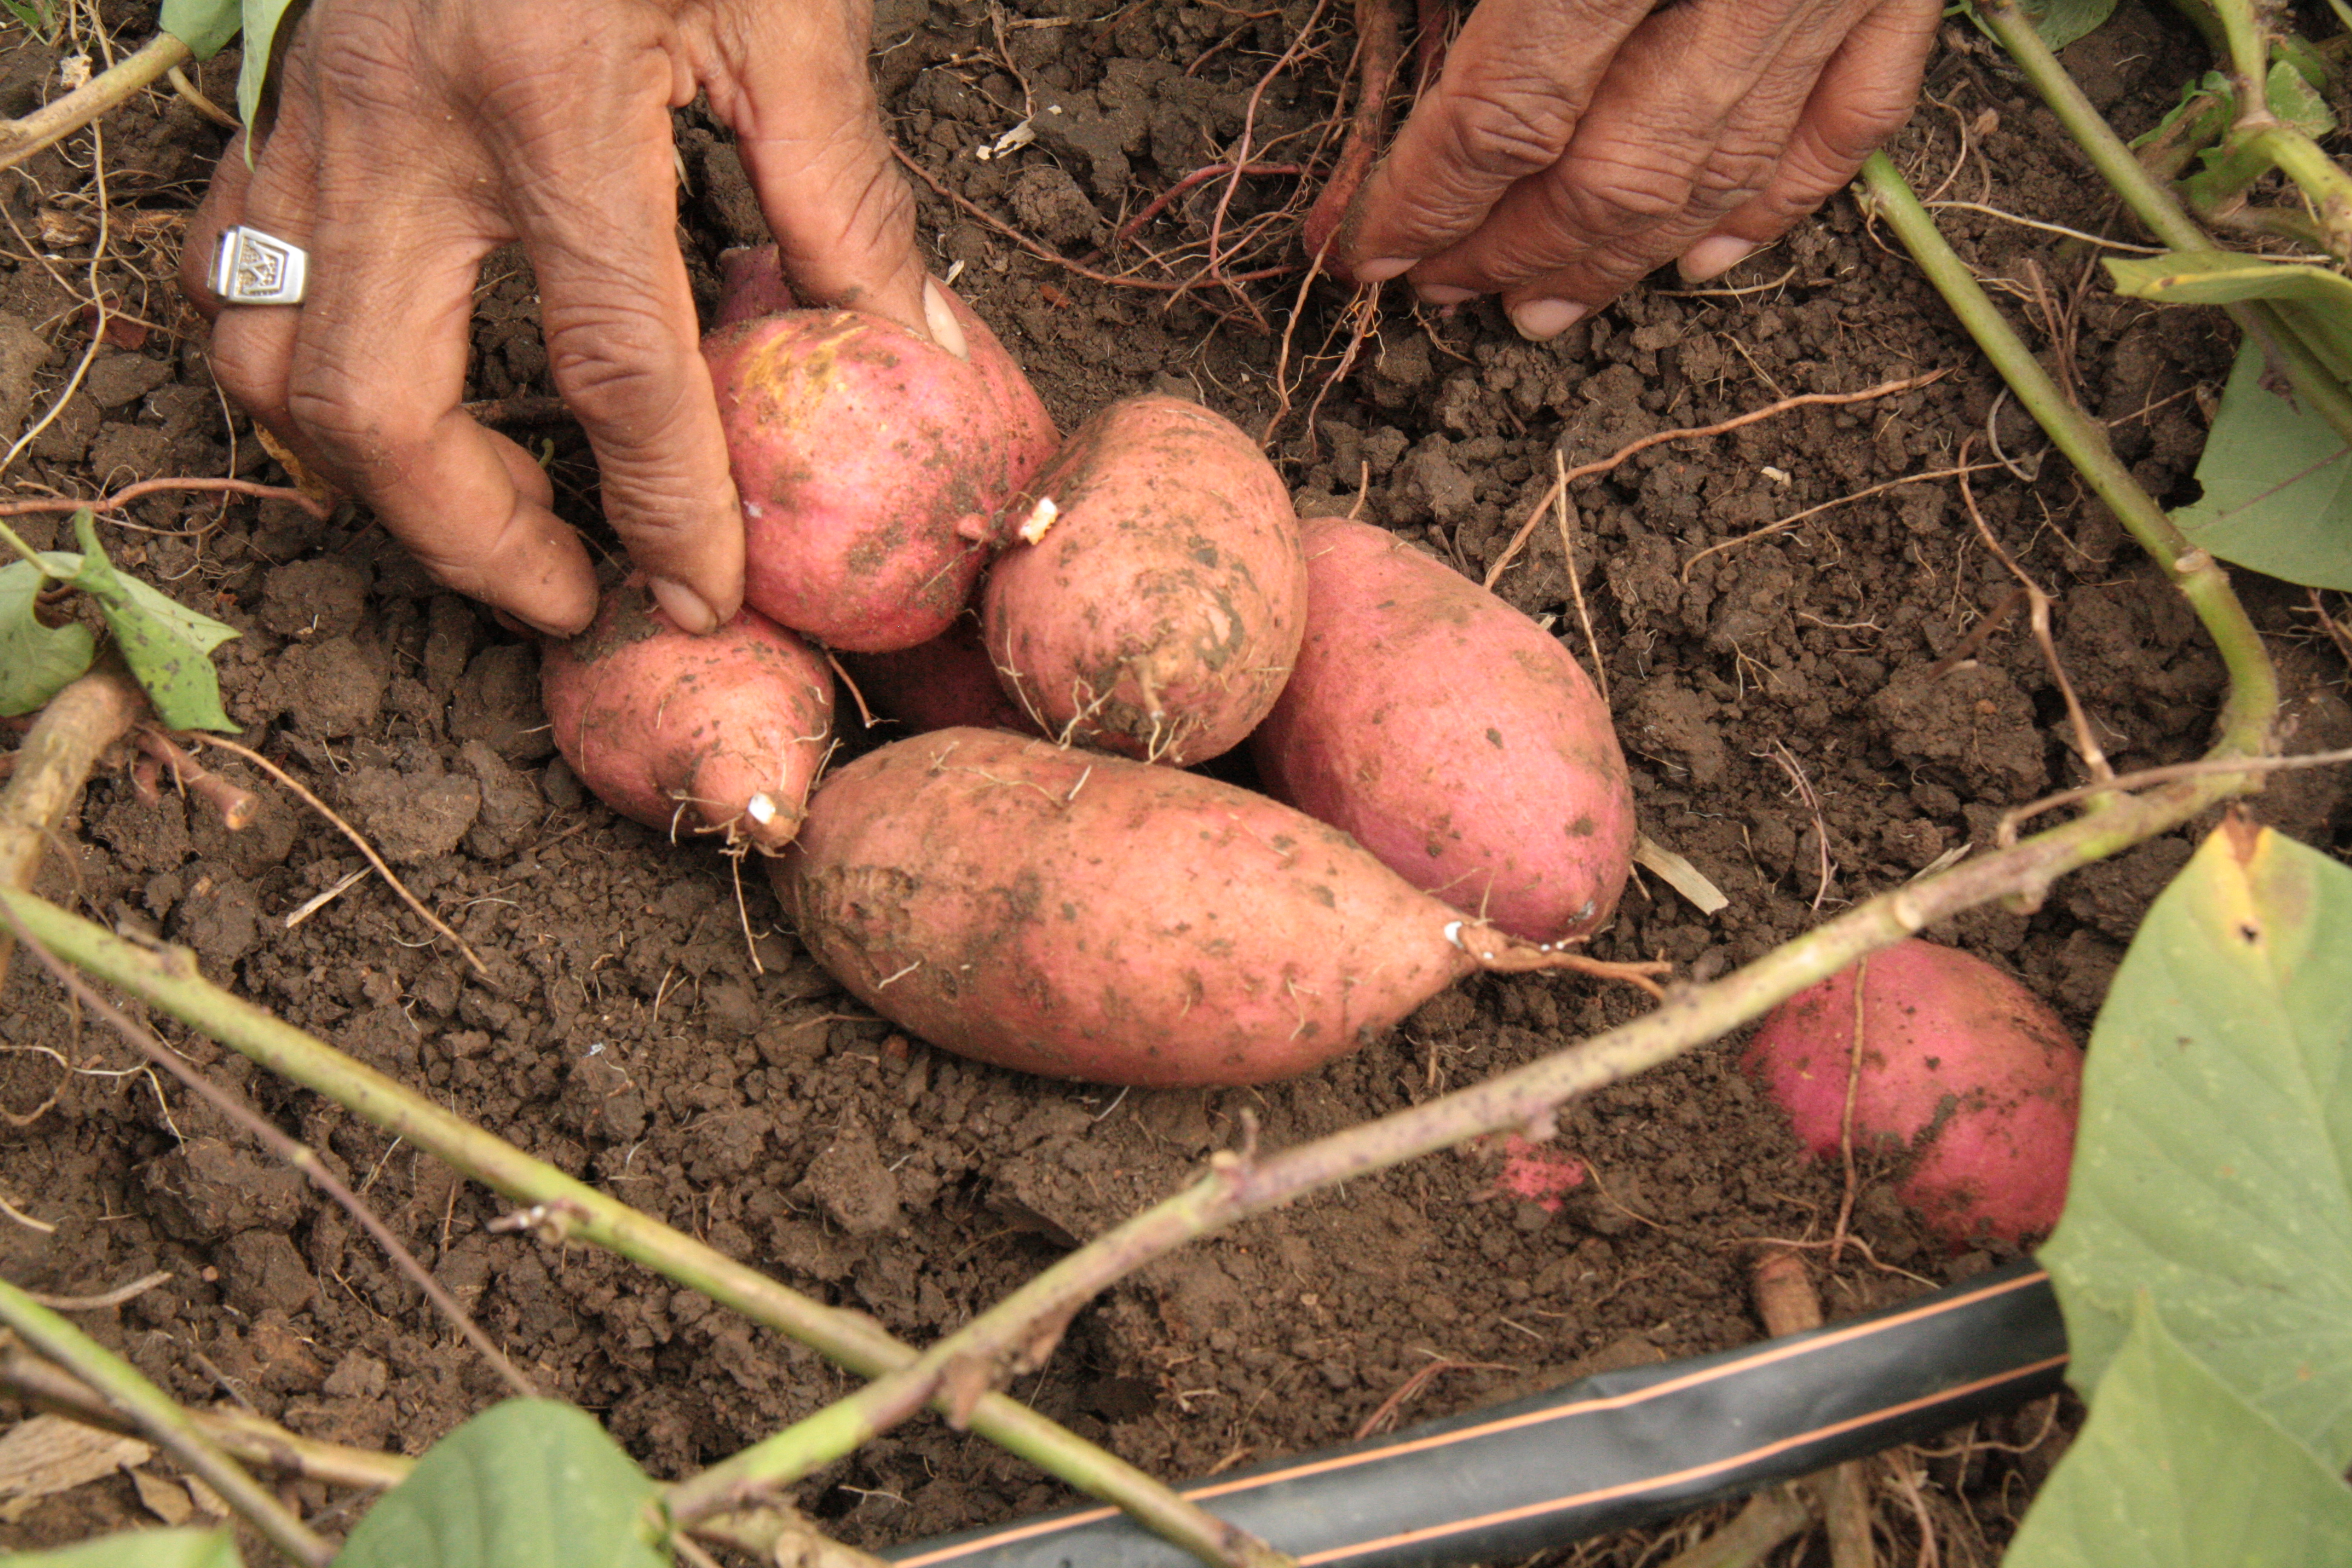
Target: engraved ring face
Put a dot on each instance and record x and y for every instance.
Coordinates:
(256, 269)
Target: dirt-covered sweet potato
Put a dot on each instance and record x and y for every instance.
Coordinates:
(719, 734)
(1152, 602)
(936, 685)
(1455, 738)
(1965, 1074)
(873, 467)
(1088, 916)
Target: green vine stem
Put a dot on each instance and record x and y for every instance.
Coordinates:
(1009, 1335)
(2250, 52)
(160, 1419)
(2154, 206)
(2253, 684)
(565, 1208)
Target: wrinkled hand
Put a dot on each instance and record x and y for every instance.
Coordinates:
(414, 136)
(1573, 146)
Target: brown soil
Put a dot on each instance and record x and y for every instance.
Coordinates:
(630, 1034)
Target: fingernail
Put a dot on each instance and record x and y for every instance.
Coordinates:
(523, 626)
(683, 605)
(1444, 294)
(1380, 271)
(1541, 320)
(1713, 257)
(939, 316)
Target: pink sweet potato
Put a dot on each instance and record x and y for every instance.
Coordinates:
(1155, 600)
(1088, 916)
(691, 734)
(872, 468)
(1455, 738)
(1963, 1072)
(936, 685)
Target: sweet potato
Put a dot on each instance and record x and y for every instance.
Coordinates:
(1088, 916)
(936, 685)
(698, 734)
(1154, 602)
(1455, 738)
(873, 467)
(1962, 1071)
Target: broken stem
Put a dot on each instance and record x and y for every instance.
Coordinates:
(53, 122)
(76, 728)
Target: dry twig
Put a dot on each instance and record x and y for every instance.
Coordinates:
(1535, 515)
(348, 831)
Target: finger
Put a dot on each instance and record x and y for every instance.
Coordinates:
(223, 206)
(793, 82)
(1686, 127)
(596, 208)
(1515, 83)
(375, 386)
(251, 347)
(1864, 94)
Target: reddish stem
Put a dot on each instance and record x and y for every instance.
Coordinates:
(1158, 204)
(130, 493)
(1378, 29)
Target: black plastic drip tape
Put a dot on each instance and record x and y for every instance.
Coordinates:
(1612, 1452)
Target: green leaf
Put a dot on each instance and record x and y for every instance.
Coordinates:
(527, 1484)
(2319, 298)
(142, 1549)
(261, 19)
(2278, 490)
(2213, 1164)
(2174, 1470)
(36, 661)
(2061, 21)
(167, 646)
(2297, 102)
(205, 25)
(2225, 278)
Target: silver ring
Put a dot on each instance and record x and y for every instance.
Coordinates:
(251, 268)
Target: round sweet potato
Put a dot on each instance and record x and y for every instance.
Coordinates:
(1455, 738)
(1088, 916)
(1963, 1071)
(1154, 600)
(721, 734)
(872, 466)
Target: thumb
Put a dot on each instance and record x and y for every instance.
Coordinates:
(791, 80)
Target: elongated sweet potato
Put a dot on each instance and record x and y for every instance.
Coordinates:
(1087, 916)
(1455, 738)
(873, 467)
(1154, 601)
(695, 735)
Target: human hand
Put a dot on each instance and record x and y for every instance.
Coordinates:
(1571, 147)
(415, 136)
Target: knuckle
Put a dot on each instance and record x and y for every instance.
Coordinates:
(1609, 196)
(1512, 129)
(620, 371)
